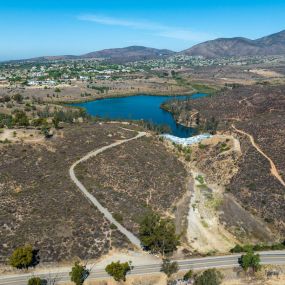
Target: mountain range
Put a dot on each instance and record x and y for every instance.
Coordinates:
(228, 47)
(222, 47)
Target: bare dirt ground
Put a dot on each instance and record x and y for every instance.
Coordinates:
(238, 277)
(151, 279)
(205, 232)
(266, 73)
(21, 135)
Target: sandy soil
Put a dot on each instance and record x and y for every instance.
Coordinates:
(266, 73)
(205, 233)
(21, 135)
(273, 281)
(137, 258)
(153, 279)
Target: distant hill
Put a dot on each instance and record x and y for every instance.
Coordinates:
(47, 58)
(115, 55)
(228, 47)
(127, 54)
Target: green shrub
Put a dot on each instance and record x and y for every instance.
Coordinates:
(188, 275)
(209, 277)
(118, 217)
(118, 270)
(250, 260)
(22, 257)
(257, 247)
(35, 281)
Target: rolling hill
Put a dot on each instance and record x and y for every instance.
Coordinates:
(115, 55)
(228, 47)
(132, 53)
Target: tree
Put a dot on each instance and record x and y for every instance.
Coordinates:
(22, 257)
(169, 267)
(36, 281)
(118, 270)
(78, 273)
(158, 235)
(209, 277)
(250, 260)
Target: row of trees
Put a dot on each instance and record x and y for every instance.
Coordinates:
(118, 271)
(157, 236)
(25, 256)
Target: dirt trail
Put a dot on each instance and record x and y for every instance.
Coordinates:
(274, 170)
(133, 239)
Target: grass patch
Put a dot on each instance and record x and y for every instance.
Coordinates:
(200, 179)
(224, 147)
(202, 146)
(203, 88)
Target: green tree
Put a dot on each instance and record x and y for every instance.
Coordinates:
(250, 260)
(35, 281)
(22, 257)
(78, 273)
(118, 270)
(157, 234)
(169, 267)
(20, 118)
(209, 277)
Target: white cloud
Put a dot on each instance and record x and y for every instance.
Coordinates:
(155, 28)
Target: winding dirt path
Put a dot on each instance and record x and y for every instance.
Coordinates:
(274, 170)
(131, 237)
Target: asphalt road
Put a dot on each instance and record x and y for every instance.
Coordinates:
(270, 257)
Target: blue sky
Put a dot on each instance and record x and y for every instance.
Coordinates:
(35, 28)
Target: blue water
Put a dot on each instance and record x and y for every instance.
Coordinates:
(139, 107)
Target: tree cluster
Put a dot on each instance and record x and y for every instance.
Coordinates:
(158, 235)
(250, 260)
(78, 273)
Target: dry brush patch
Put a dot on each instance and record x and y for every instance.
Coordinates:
(39, 203)
(133, 178)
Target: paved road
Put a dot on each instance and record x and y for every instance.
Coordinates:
(133, 239)
(270, 257)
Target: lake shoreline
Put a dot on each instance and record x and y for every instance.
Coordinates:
(118, 95)
(140, 107)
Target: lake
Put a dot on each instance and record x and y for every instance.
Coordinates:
(139, 107)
